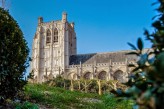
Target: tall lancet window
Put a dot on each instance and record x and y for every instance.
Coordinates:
(48, 36)
(55, 35)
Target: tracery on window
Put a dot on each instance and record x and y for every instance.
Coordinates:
(55, 35)
(48, 36)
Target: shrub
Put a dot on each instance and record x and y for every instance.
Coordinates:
(13, 57)
(147, 82)
(59, 81)
(93, 86)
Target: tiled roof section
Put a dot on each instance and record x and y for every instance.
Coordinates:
(101, 58)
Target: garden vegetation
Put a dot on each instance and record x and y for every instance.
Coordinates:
(13, 58)
(147, 79)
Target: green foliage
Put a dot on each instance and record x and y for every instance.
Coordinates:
(147, 79)
(13, 57)
(111, 102)
(93, 87)
(55, 97)
(31, 75)
(25, 105)
(59, 81)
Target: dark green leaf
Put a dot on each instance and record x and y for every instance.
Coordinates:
(143, 58)
(135, 69)
(146, 33)
(140, 44)
(132, 53)
(132, 46)
(156, 24)
(131, 65)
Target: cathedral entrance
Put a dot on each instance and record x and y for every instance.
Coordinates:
(119, 76)
(102, 75)
(87, 75)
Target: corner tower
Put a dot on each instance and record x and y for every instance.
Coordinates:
(54, 42)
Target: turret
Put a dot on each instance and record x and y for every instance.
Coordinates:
(72, 25)
(64, 17)
(40, 20)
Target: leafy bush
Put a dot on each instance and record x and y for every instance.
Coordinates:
(93, 87)
(147, 79)
(59, 81)
(13, 57)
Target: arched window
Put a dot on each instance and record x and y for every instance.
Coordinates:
(48, 36)
(87, 75)
(55, 35)
(102, 75)
(118, 75)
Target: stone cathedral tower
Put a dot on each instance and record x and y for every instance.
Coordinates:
(54, 42)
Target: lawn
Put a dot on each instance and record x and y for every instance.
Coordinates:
(58, 98)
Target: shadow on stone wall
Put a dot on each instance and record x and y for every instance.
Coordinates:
(83, 58)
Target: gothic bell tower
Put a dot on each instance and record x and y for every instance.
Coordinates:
(54, 42)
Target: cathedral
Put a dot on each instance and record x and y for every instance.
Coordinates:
(54, 52)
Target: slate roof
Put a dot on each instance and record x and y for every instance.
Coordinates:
(101, 58)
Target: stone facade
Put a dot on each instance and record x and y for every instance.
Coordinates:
(54, 53)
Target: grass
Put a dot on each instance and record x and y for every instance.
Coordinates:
(54, 97)
(25, 105)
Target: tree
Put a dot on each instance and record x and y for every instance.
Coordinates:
(147, 79)
(13, 57)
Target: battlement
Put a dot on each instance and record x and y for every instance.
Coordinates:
(101, 64)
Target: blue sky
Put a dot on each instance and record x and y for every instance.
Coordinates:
(101, 25)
